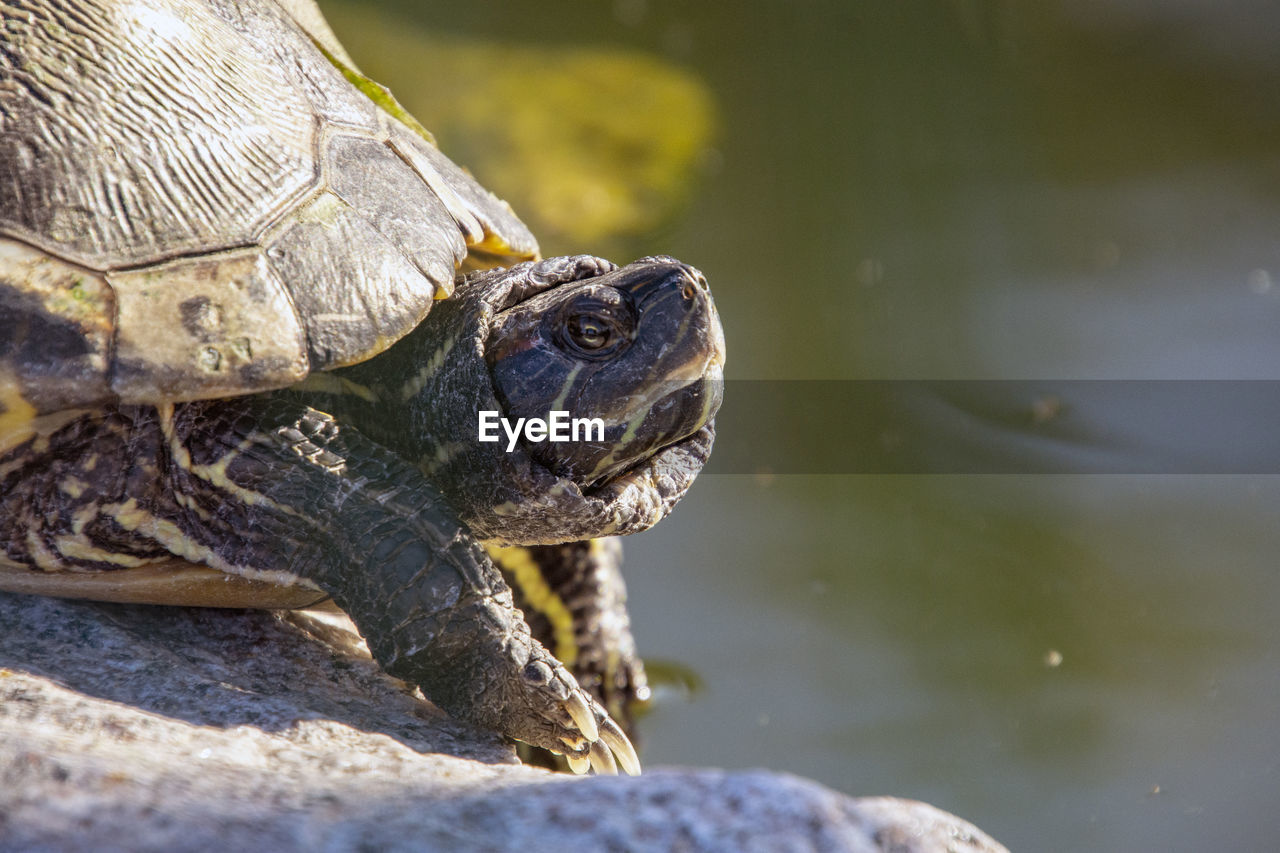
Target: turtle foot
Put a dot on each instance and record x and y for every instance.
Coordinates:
(579, 728)
(506, 681)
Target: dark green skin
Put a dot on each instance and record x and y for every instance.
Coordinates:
(338, 500)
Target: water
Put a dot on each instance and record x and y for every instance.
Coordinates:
(970, 190)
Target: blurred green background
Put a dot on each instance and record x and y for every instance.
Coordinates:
(929, 190)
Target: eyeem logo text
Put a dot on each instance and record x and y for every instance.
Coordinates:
(558, 426)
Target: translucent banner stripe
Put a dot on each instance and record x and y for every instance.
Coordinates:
(999, 427)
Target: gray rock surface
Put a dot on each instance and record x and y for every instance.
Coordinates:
(138, 728)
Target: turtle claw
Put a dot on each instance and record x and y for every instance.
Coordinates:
(602, 760)
(613, 737)
(605, 752)
(598, 744)
(560, 717)
(583, 717)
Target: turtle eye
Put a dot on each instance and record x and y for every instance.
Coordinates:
(588, 332)
(595, 328)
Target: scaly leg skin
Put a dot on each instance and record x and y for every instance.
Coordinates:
(268, 489)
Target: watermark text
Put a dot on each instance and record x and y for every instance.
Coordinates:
(557, 426)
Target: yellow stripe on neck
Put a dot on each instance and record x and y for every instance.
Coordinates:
(327, 383)
(537, 592)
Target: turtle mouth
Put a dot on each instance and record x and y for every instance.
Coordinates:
(687, 455)
(678, 414)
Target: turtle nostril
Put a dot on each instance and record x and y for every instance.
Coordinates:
(687, 291)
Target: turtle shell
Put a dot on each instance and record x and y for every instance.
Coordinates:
(203, 199)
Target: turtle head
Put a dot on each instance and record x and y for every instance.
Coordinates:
(625, 364)
(633, 358)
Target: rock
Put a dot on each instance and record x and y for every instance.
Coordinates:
(138, 728)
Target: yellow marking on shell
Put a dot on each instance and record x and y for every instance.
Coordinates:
(90, 463)
(419, 380)
(539, 595)
(327, 383)
(323, 209)
(75, 548)
(17, 415)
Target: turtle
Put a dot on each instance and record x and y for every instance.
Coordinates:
(252, 324)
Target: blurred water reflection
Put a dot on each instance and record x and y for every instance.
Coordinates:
(973, 190)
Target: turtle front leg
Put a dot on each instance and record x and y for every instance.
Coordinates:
(575, 600)
(269, 486)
